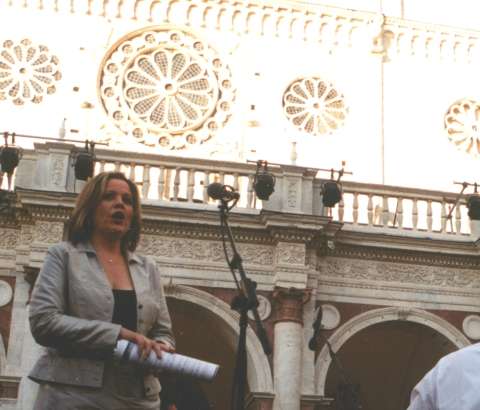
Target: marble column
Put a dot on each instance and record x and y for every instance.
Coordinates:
(288, 348)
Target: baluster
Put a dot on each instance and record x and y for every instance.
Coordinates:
(458, 220)
(399, 213)
(176, 184)
(341, 210)
(131, 171)
(370, 210)
(102, 166)
(385, 210)
(444, 214)
(191, 185)
(429, 216)
(206, 182)
(355, 208)
(415, 214)
(146, 181)
(251, 198)
(168, 183)
(117, 166)
(161, 183)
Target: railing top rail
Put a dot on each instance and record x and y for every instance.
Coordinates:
(400, 191)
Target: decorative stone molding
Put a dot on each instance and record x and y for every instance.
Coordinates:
(402, 274)
(330, 26)
(9, 238)
(166, 87)
(364, 320)
(258, 368)
(28, 72)
(47, 232)
(288, 304)
(404, 256)
(6, 293)
(290, 253)
(330, 316)
(202, 250)
(264, 308)
(471, 326)
(314, 106)
(462, 125)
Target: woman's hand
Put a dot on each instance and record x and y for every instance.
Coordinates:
(144, 344)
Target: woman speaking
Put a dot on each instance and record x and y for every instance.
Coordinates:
(92, 291)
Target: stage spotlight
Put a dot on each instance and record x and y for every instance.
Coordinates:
(84, 162)
(263, 182)
(473, 205)
(9, 158)
(331, 193)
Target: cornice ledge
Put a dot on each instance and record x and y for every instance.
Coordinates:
(379, 240)
(289, 227)
(411, 257)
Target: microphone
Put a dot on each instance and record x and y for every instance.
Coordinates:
(225, 193)
(317, 326)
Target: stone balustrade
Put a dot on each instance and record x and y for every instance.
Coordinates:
(172, 180)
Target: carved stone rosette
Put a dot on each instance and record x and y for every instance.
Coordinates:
(288, 304)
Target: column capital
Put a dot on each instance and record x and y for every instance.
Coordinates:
(288, 304)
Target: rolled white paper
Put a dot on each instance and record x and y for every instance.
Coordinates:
(169, 362)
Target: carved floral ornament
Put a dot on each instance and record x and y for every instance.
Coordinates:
(462, 123)
(166, 87)
(314, 106)
(28, 72)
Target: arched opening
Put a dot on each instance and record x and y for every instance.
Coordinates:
(386, 360)
(202, 334)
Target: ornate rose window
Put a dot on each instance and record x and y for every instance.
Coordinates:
(166, 87)
(314, 106)
(462, 123)
(27, 72)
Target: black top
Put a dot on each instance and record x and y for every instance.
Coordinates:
(125, 308)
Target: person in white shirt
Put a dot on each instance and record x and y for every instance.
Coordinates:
(453, 384)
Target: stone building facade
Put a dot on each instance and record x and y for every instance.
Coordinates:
(188, 92)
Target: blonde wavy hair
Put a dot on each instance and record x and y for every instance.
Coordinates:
(80, 226)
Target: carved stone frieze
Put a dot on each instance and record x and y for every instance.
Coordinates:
(9, 238)
(48, 232)
(26, 234)
(291, 254)
(399, 273)
(202, 250)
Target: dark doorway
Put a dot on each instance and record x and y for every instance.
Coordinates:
(386, 361)
(201, 334)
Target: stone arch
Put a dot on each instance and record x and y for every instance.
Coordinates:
(259, 373)
(360, 322)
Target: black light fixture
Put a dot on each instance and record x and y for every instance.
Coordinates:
(264, 181)
(84, 161)
(473, 205)
(332, 190)
(331, 193)
(9, 157)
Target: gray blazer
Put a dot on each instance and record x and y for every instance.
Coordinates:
(71, 311)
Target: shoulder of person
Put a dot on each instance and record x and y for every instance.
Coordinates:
(469, 355)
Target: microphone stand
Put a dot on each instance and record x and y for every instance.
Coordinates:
(347, 394)
(245, 300)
